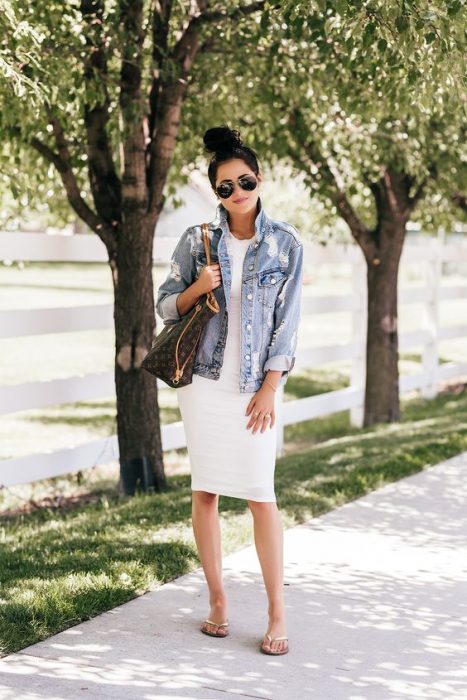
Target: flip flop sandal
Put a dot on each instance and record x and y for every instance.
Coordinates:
(271, 640)
(215, 634)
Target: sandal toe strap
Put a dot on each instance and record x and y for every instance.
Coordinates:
(217, 624)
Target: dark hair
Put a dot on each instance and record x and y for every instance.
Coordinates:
(226, 143)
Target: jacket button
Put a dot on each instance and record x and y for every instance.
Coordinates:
(247, 357)
(249, 296)
(248, 325)
(250, 267)
(273, 280)
(256, 245)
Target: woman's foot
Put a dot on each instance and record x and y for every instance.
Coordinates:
(217, 617)
(276, 628)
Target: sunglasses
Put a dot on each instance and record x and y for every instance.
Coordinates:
(246, 182)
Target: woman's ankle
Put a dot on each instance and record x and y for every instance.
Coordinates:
(276, 611)
(218, 601)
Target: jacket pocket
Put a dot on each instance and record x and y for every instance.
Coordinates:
(269, 284)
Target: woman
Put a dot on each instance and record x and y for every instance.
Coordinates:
(246, 351)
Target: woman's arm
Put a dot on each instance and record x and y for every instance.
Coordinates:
(181, 276)
(181, 290)
(287, 313)
(188, 298)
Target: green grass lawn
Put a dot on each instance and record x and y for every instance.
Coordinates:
(60, 566)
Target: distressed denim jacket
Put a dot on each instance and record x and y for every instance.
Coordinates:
(270, 297)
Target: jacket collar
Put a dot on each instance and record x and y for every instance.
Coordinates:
(262, 221)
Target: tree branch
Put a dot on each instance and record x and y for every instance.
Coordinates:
(419, 192)
(160, 34)
(166, 118)
(332, 178)
(61, 161)
(134, 189)
(47, 153)
(210, 17)
(105, 184)
(460, 200)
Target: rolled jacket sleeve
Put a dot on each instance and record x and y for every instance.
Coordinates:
(182, 274)
(287, 314)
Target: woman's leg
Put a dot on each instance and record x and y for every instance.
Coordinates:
(207, 532)
(269, 538)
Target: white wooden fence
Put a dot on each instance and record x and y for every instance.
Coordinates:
(33, 395)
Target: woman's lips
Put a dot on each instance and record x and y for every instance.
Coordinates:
(238, 201)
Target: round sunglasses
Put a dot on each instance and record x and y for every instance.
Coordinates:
(246, 182)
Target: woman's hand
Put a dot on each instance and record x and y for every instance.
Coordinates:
(209, 278)
(260, 404)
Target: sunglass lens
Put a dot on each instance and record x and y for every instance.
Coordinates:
(247, 183)
(225, 190)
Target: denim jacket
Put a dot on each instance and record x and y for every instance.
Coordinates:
(270, 298)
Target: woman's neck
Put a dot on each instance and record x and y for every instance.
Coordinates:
(242, 225)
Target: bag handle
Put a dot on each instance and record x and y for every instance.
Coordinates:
(207, 244)
(211, 300)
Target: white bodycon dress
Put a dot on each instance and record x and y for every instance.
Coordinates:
(226, 458)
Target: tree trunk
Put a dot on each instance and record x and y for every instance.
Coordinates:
(382, 349)
(139, 434)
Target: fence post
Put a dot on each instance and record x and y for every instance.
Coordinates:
(430, 353)
(359, 331)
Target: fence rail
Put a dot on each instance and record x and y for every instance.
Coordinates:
(83, 248)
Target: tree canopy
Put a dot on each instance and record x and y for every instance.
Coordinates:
(353, 84)
(343, 90)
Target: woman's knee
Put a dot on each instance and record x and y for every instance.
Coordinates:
(205, 497)
(261, 507)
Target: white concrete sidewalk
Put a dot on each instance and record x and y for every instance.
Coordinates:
(376, 593)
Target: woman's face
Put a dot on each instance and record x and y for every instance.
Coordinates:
(240, 201)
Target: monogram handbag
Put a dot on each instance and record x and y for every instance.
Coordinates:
(172, 355)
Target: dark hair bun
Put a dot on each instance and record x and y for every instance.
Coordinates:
(220, 139)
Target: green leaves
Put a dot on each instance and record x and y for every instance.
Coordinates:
(19, 47)
(454, 7)
(368, 35)
(402, 23)
(350, 67)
